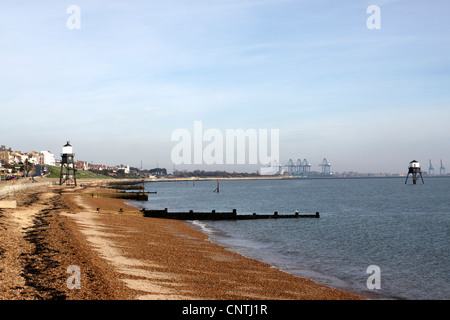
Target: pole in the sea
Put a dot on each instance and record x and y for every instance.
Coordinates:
(414, 170)
(217, 189)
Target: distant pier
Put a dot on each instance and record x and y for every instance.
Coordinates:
(213, 215)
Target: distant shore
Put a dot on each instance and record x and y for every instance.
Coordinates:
(280, 177)
(123, 255)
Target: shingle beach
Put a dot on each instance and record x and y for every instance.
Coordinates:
(122, 255)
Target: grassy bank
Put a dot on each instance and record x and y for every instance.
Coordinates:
(81, 174)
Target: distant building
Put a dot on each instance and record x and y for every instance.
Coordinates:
(5, 155)
(272, 169)
(99, 167)
(82, 165)
(18, 157)
(126, 169)
(47, 158)
(33, 157)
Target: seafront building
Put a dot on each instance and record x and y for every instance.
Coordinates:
(47, 158)
(5, 155)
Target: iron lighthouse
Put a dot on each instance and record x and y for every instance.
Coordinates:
(414, 170)
(68, 170)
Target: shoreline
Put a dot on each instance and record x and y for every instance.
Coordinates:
(249, 254)
(264, 178)
(193, 226)
(123, 255)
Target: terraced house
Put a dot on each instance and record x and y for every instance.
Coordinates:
(5, 155)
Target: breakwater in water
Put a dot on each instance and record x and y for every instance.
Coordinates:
(213, 215)
(137, 196)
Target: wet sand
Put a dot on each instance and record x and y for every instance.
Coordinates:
(125, 256)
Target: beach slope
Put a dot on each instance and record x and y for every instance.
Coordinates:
(123, 255)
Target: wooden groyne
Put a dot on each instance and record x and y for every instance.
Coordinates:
(138, 196)
(213, 215)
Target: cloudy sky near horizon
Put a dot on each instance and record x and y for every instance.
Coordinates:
(135, 71)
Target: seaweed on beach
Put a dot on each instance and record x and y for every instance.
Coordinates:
(40, 263)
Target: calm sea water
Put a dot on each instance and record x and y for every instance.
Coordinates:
(402, 229)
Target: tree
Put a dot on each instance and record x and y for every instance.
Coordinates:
(27, 167)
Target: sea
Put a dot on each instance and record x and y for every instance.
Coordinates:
(377, 237)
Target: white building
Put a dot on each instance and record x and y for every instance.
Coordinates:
(18, 156)
(48, 158)
(33, 157)
(272, 169)
(126, 169)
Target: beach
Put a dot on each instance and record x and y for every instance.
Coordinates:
(122, 255)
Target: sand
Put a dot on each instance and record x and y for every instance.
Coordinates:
(122, 255)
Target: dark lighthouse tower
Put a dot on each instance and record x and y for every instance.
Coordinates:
(414, 170)
(68, 170)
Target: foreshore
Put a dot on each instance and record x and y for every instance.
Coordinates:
(122, 255)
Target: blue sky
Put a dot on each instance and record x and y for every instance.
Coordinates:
(367, 100)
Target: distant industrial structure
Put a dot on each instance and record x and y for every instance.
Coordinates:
(326, 166)
(431, 171)
(303, 168)
(442, 169)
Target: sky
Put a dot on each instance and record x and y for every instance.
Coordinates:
(117, 87)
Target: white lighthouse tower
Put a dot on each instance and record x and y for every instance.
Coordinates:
(414, 170)
(68, 170)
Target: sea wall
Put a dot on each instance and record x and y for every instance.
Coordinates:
(10, 187)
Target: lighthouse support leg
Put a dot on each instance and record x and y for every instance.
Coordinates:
(61, 176)
(75, 176)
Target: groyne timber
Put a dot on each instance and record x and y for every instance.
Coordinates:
(213, 215)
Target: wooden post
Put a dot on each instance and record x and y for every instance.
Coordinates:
(217, 189)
